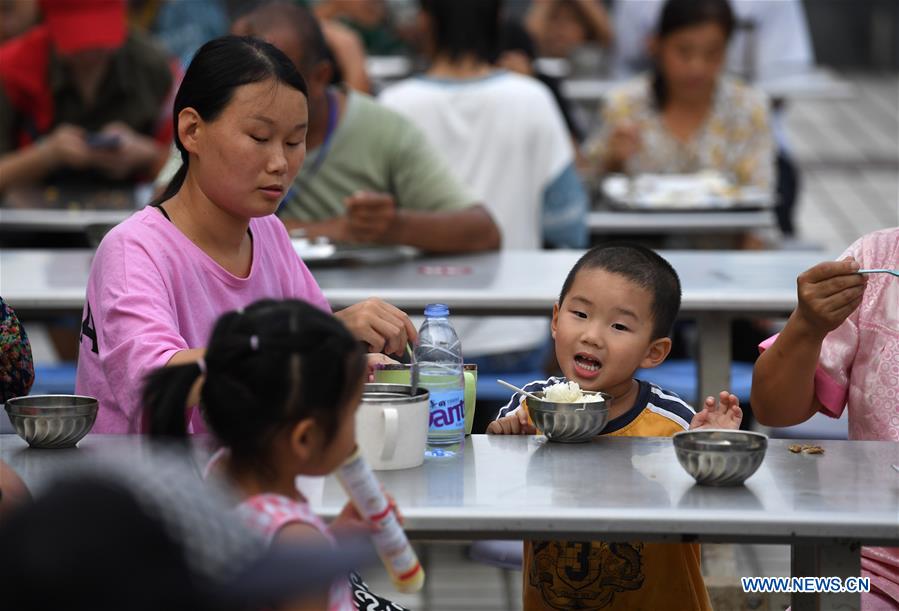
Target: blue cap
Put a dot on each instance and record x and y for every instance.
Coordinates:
(436, 310)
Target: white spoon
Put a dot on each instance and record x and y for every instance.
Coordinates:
(521, 390)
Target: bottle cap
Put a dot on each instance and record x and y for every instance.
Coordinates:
(436, 310)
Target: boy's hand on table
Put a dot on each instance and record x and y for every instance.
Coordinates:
(726, 414)
(516, 423)
(828, 293)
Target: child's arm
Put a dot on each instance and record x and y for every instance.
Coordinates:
(299, 534)
(726, 414)
(783, 382)
(516, 423)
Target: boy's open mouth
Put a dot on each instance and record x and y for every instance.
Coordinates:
(587, 363)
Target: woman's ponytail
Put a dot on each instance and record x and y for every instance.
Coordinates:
(165, 399)
(174, 184)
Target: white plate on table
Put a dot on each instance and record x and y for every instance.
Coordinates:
(676, 192)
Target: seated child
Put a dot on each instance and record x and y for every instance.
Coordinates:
(281, 382)
(614, 314)
(840, 350)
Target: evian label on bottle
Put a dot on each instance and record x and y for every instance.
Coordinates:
(447, 411)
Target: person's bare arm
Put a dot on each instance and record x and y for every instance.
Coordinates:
(382, 326)
(468, 230)
(300, 534)
(186, 357)
(65, 146)
(335, 229)
(375, 217)
(783, 381)
(135, 153)
(598, 21)
(349, 53)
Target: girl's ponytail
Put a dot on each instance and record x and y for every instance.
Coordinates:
(165, 399)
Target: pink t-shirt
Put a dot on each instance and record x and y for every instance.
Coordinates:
(859, 368)
(152, 292)
(268, 513)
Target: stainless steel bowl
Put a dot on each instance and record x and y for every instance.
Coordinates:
(720, 457)
(569, 422)
(52, 421)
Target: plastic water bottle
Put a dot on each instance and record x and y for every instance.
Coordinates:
(439, 357)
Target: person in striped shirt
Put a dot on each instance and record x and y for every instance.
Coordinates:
(614, 316)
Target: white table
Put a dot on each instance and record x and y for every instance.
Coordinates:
(523, 487)
(69, 210)
(388, 67)
(610, 222)
(717, 286)
(816, 84)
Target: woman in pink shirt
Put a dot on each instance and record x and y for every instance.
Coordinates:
(840, 349)
(211, 243)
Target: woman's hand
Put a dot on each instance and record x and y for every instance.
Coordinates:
(828, 293)
(66, 146)
(624, 143)
(134, 152)
(375, 361)
(382, 326)
(726, 414)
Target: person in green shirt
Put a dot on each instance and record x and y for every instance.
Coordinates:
(369, 176)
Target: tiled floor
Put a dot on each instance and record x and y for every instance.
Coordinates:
(454, 582)
(849, 154)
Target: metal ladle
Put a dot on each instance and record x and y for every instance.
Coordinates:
(413, 369)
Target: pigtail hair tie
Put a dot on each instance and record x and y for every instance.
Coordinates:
(201, 363)
(254, 343)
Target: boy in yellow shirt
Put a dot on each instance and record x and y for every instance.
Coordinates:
(614, 315)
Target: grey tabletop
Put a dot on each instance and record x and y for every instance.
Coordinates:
(604, 222)
(509, 282)
(528, 282)
(614, 487)
(69, 209)
(520, 486)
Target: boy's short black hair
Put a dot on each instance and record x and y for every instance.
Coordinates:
(643, 267)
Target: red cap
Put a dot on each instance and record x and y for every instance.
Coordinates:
(78, 25)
